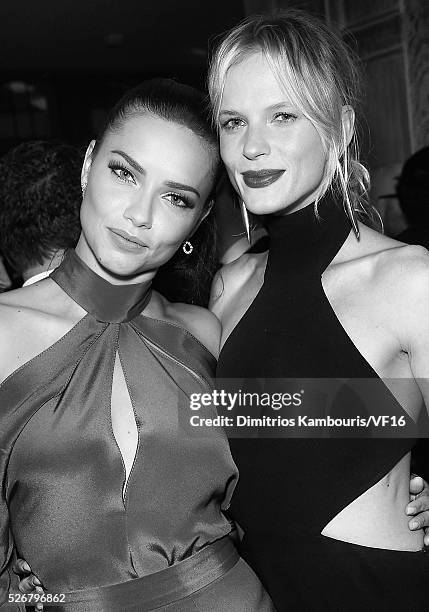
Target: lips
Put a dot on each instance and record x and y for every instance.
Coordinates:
(256, 179)
(126, 239)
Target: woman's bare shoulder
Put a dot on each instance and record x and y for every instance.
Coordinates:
(43, 297)
(198, 321)
(396, 276)
(398, 262)
(31, 319)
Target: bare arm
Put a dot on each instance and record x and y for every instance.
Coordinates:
(417, 330)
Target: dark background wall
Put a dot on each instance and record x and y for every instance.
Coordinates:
(63, 63)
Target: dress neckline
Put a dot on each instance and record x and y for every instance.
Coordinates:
(101, 299)
(306, 239)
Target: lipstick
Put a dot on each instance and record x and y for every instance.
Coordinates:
(256, 179)
(126, 241)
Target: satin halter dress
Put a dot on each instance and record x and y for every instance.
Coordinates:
(100, 539)
(292, 485)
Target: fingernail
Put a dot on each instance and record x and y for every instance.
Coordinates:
(26, 567)
(414, 525)
(36, 581)
(410, 510)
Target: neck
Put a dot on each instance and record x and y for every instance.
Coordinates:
(105, 301)
(87, 255)
(48, 263)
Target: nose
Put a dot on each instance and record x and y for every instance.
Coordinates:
(255, 143)
(139, 211)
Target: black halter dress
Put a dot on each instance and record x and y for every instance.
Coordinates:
(289, 489)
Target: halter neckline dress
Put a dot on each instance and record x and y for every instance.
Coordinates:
(110, 540)
(291, 487)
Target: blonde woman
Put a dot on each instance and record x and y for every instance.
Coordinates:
(333, 299)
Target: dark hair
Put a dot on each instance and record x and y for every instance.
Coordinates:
(413, 188)
(40, 199)
(184, 278)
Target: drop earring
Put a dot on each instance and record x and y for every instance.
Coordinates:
(83, 187)
(245, 217)
(187, 247)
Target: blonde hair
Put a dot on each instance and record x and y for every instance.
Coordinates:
(320, 74)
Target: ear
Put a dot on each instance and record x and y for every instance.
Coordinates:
(348, 122)
(87, 162)
(204, 214)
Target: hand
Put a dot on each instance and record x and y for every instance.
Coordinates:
(418, 508)
(29, 583)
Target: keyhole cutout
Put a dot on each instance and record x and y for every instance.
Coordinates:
(123, 420)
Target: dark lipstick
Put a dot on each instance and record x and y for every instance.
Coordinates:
(257, 179)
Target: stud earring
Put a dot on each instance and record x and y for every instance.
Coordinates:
(245, 217)
(187, 247)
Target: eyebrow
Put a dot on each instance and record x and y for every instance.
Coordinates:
(182, 187)
(232, 113)
(131, 161)
(228, 112)
(171, 184)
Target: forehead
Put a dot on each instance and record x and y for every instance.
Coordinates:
(252, 83)
(160, 144)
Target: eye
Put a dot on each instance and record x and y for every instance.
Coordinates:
(122, 172)
(179, 200)
(284, 117)
(231, 124)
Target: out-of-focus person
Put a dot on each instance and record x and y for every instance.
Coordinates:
(413, 194)
(5, 282)
(40, 198)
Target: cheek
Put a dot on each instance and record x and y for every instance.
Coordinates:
(170, 230)
(228, 150)
(86, 215)
(311, 157)
(99, 203)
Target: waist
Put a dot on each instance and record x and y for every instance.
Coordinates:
(377, 517)
(153, 590)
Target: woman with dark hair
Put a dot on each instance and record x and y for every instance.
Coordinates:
(332, 300)
(106, 491)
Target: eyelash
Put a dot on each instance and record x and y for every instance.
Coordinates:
(290, 117)
(227, 125)
(118, 166)
(187, 202)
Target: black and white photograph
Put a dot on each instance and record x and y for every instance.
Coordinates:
(214, 306)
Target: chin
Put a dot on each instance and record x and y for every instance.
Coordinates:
(119, 266)
(266, 206)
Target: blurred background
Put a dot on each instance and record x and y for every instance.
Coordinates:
(64, 62)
